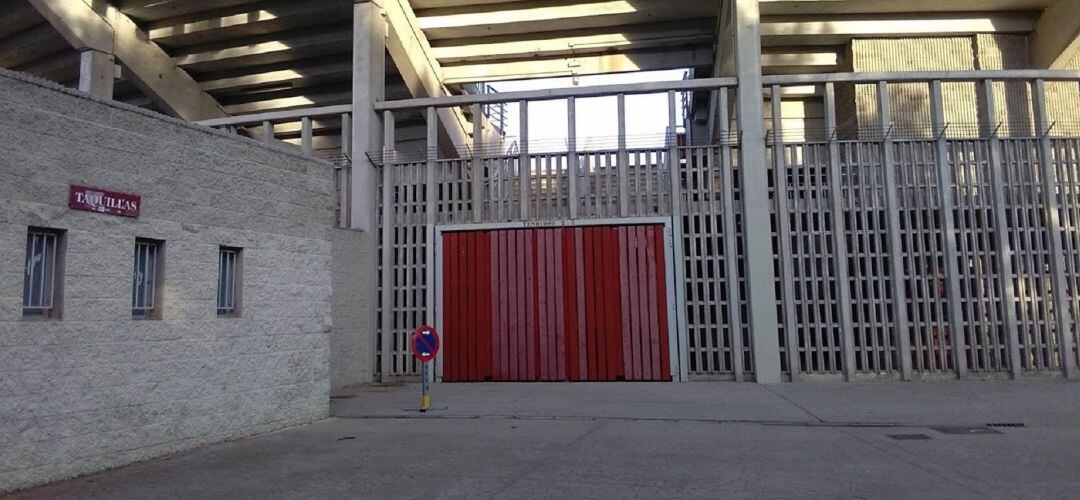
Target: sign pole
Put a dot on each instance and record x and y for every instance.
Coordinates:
(424, 345)
(425, 398)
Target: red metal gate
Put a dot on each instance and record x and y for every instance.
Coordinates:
(579, 304)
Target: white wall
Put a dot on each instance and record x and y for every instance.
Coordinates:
(98, 389)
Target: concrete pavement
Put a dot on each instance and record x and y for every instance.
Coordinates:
(696, 440)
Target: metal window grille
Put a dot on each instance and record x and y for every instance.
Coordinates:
(145, 277)
(227, 264)
(39, 286)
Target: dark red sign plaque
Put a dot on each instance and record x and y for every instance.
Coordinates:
(104, 202)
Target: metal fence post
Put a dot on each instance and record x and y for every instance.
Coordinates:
(783, 232)
(1001, 227)
(623, 163)
(477, 163)
(387, 331)
(571, 156)
(431, 208)
(1053, 219)
(895, 241)
(839, 241)
(677, 237)
(524, 165)
(306, 135)
(946, 205)
(730, 241)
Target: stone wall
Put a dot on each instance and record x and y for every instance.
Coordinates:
(97, 388)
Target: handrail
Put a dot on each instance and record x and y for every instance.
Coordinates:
(561, 93)
(920, 76)
(278, 116)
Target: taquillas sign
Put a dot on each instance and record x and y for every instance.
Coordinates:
(106, 202)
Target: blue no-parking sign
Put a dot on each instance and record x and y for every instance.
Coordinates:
(424, 344)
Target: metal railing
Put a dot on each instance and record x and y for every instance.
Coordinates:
(303, 128)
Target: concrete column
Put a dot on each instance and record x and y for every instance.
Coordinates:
(97, 73)
(755, 192)
(97, 69)
(369, 86)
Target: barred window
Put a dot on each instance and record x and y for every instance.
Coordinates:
(145, 289)
(228, 298)
(44, 273)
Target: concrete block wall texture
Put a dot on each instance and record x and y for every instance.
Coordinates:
(1061, 103)
(352, 340)
(1013, 99)
(98, 389)
(910, 102)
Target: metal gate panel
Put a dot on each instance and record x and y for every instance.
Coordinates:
(810, 282)
(586, 303)
(866, 235)
(923, 246)
(713, 315)
(985, 336)
(1029, 233)
(1067, 154)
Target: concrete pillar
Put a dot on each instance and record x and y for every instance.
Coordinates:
(755, 192)
(369, 86)
(97, 73)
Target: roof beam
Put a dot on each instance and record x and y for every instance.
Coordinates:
(149, 67)
(801, 7)
(273, 50)
(1056, 40)
(586, 65)
(422, 73)
(557, 43)
(154, 10)
(246, 20)
(77, 22)
(291, 76)
(541, 15)
(835, 30)
(18, 15)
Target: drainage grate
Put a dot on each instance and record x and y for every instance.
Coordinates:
(909, 437)
(966, 431)
(1006, 424)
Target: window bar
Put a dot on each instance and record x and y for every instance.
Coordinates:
(44, 268)
(231, 289)
(151, 296)
(31, 278)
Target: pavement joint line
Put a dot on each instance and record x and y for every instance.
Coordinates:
(919, 463)
(579, 418)
(793, 403)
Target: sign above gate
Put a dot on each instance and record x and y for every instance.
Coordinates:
(90, 199)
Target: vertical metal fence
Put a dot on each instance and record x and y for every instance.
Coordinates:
(906, 255)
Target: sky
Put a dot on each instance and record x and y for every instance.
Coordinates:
(597, 125)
